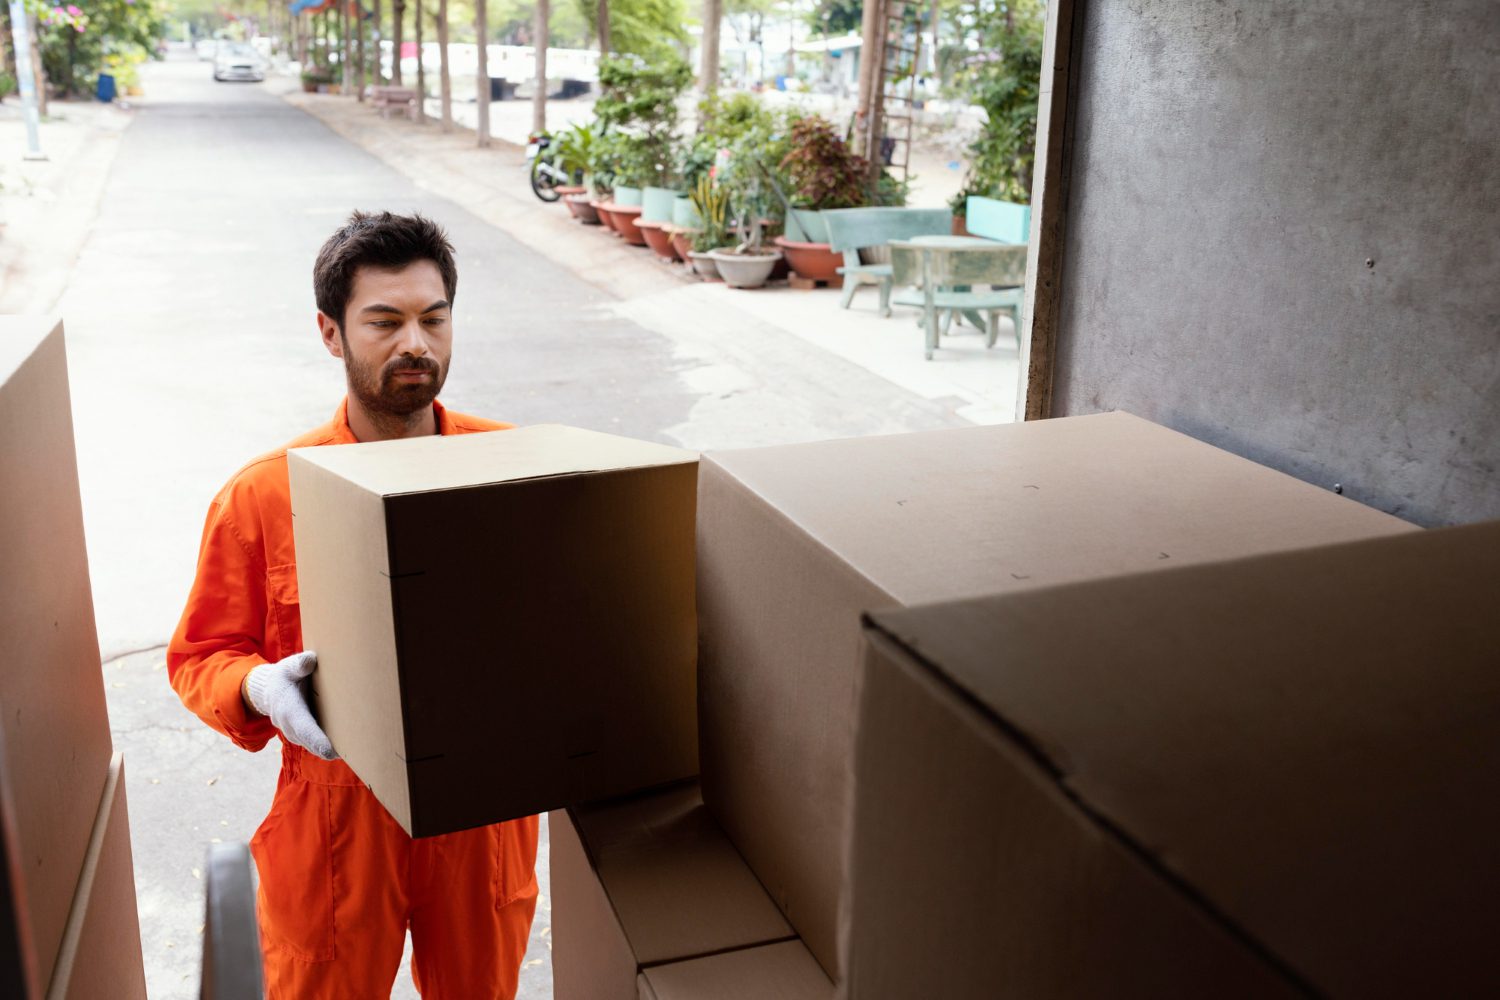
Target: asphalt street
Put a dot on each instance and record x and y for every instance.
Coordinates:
(192, 348)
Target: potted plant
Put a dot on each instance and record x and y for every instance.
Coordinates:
(316, 79)
(638, 100)
(573, 151)
(747, 262)
(822, 173)
(712, 205)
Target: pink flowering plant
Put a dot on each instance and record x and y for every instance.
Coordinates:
(79, 40)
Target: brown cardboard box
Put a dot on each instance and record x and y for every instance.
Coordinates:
(643, 881)
(1262, 777)
(56, 728)
(785, 971)
(794, 542)
(100, 956)
(504, 622)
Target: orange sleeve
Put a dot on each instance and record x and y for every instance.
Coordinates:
(222, 632)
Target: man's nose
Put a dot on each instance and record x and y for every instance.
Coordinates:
(413, 339)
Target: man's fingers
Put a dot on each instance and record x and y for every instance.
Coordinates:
(302, 664)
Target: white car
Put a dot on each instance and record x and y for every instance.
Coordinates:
(238, 61)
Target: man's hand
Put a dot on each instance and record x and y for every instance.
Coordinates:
(275, 690)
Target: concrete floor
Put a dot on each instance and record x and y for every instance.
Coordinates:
(192, 348)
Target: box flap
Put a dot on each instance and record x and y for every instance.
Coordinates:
(1039, 503)
(785, 971)
(425, 464)
(1304, 740)
(677, 884)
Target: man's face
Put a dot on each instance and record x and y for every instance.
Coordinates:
(396, 339)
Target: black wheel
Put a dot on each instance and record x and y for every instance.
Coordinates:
(543, 184)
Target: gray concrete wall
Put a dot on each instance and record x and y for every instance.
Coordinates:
(1282, 238)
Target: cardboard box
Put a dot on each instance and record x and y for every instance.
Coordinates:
(100, 956)
(644, 881)
(1257, 778)
(794, 542)
(56, 748)
(504, 622)
(785, 971)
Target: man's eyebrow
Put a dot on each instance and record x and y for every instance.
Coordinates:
(381, 307)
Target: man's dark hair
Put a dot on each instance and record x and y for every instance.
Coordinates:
(371, 239)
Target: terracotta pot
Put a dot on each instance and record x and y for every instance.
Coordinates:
(606, 210)
(657, 238)
(704, 264)
(960, 226)
(583, 210)
(567, 190)
(682, 241)
(815, 261)
(626, 220)
(744, 270)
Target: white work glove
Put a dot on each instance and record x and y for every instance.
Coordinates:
(275, 690)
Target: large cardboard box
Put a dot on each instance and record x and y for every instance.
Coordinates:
(1263, 777)
(784, 971)
(795, 542)
(643, 881)
(100, 955)
(504, 622)
(56, 747)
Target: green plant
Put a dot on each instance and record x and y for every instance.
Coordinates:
(712, 203)
(821, 169)
(75, 39)
(575, 149)
(638, 103)
(1003, 77)
(315, 75)
(7, 83)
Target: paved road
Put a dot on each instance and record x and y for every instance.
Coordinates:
(193, 347)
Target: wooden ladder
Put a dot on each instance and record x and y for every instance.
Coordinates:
(891, 118)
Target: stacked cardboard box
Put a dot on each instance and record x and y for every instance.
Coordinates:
(56, 745)
(795, 542)
(651, 900)
(1265, 777)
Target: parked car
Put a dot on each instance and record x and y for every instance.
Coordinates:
(238, 61)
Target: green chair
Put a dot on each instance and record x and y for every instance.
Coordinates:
(851, 230)
(946, 279)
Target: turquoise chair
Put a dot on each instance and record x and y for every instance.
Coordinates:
(851, 230)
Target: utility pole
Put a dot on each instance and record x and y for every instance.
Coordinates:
(482, 29)
(445, 82)
(541, 39)
(708, 74)
(21, 38)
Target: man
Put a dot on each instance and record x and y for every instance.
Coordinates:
(340, 882)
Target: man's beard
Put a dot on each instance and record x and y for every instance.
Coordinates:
(381, 392)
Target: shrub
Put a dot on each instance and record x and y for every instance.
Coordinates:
(821, 169)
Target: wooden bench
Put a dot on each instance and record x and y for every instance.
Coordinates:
(946, 276)
(388, 99)
(852, 230)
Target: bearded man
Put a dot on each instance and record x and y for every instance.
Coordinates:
(340, 882)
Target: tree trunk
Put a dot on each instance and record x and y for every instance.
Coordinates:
(377, 41)
(708, 75)
(445, 82)
(937, 20)
(482, 75)
(398, 36)
(346, 49)
(871, 59)
(601, 25)
(541, 38)
(421, 73)
(359, 46)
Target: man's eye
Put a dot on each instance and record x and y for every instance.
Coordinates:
(436, 320)
(384, 323)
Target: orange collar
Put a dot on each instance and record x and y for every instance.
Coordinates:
(344, 434)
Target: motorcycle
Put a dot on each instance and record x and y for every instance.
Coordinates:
(546, 175)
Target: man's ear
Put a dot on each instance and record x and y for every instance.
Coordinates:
(332, 339)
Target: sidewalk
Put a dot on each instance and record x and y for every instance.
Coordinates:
(47, 206)
(967, 380)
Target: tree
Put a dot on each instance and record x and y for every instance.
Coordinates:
(445, 81)
(713, 18)
(540, 39)
(1004, 78)
(74, 39)
(652, 29)
(482, 71)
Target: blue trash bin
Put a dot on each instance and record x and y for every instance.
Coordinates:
(106, 88)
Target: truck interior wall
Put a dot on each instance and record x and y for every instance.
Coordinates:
(1281, 238)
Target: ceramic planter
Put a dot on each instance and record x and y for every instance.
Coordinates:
(705, 265)
(685, 213)
(657, 238)
(626, 195)
(744, 270)
(583, 209)
(814, 261)
(624, 219)
(656, 204)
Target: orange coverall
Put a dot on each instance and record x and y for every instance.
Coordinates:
(340, 881)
